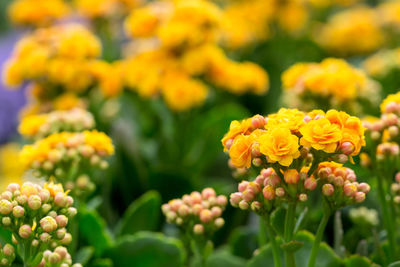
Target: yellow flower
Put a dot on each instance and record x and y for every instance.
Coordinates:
(95, 8)
(236, 128)
(54, 188)
(240, 151)
(289, 118)
(99, 141)
(279, 145)
(30, 125)
(321, 134)
(10, 166)
(143, 22)
(395, 98)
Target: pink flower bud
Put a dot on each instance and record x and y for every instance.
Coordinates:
(257, 121)
(274, 180)
(165, 208)
(248, 195)
(34, 202)
(219, 222)
(254, 187)
(44, 195)
(70, 201)
(196, 197)
(198, 229)
(62, 251)
(393, 131)
(307, 118)
(291, 176)
(45, 237)
(347, 148)
(22, 199)
(375, 135)
(67, 239)
(256, 206)
(25, 231)
(183, 210)
(349, 190)
(5, 207)
(342, 158)
(60, 233)
(235, 198)
(8, 250)
(243, 205)
(269, 192)
(18, 211)
(390, 119)
(310, 183)
(280, 192)
(207, 193)
(205, 216)
(257, 162)
(216, 211)
(6, 221)
(187, 199)
(48, 224)
(229, 143)
(328, 190)
(303, 197)
(267, 172)
(397, 199)
(212, 201)
(54, 258)
(391, 107)
(71, 212)
(7, 195)
(338, 181)
(62, 221)
(222, 201)
(197, 208)
(359, 197)
(13, 187)
(242, 186)
(60, 199)
(364, 187)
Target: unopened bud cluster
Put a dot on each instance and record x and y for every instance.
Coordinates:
(7, 255)
(339, 185)
(81, 187)
(395, 188)
(198, 212)
(37, 216)
(39, 126)
(50, 156)
(364, 217)
(57, 258)
(269, 189)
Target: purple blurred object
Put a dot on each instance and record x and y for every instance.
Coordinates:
(11, 101)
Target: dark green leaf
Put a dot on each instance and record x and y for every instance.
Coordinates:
(142, 214)
(357, 261)
(147, 249)
(224, 259)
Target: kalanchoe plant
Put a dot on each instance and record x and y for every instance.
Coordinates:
(298, 152)
(7, 255)
(57, 258)
(199, 215)
(37, 217)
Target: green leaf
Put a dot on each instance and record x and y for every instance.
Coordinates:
(292, 246)
(243, 242)
(357, 261)
(147, 249)
(225, 259)
(93, 229)
(142, 214)
(102, 263)
(84, 255)
(278, 220)
(264, 257)
(395, 264)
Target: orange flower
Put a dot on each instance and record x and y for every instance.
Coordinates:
(236, 128)
(321, 134)
(291, 118)
(280, 145)
(240, 151)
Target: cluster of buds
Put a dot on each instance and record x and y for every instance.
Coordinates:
(50, 156)
(7, 255)
(37, 216)
(269, 189)
(81, 187)
(395, 188)
(364, 217)
(57, 258)
(339, 185)
(39, 126)
(198, 212)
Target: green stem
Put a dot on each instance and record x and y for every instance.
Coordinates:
(263, 231)
(387, 220)
(275, 249)
(288, 233)
(318, 238)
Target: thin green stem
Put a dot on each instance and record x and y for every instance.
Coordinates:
(275, 249)
(318, 238)
(263, 231)
(387, 220)
(288, 232)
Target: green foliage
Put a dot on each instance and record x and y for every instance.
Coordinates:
(278, 220)
(243, 242)
(357, 261)
(225, 259)
(395, 264)
(147, 249)
(142, 214)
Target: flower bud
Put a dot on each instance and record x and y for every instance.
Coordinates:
(198, 229)
(54, 258)
(328, 190)
(183, 210)
(35, 243)
(364, 187)
(44, 195)
(248, 195)
(310, 183)
(338, 181)
(67, 239)
(257, 162)
(8, 250)
(269, 192)
(45, 237)
(7, 195)
(72, 212)
(6, 221)
(216, 211)
(25, 231)
(359, 197)
(243, 205)
(219, 222)
(205, 216)
(256, 206)
(235, 198)
(349, 190)
(197, 208)
(22, 199)
(34, 202)
(13, 187)
(243, 186)
(303, 197)
(60, 233)
(393, 131)
(347, 148)
(280, 192)
(222, 200)
(291, 176)
(196, 197)
(5, 207)
(267, 172)
(60, 199)
(62, 251)
(48, 224)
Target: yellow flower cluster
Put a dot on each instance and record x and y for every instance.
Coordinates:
(62, 55)
(281, 136)
(10, 165)
(382, 62)
(353, 31)
(184, 36)
(391, 104)
(45, 154)
(41, 125)
(389, 14)
(104, 8)
(334, 80)
(37, 12)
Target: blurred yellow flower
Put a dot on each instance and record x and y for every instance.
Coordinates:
(11, 170)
